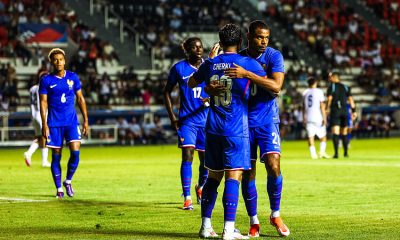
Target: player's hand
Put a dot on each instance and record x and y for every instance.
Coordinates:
(214, 51)
(85, 128)
(235, 72)
(354, 116)
(215, 89)
(175, 124)
(45, 131)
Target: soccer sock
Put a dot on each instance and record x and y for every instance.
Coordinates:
(322, 147)
(229, 226)
(186, 177)
(249, 193)
(335, 139)
(206, 222)
(274, 189)
(45, 153)
(313, 152)
(203, 174)
(230, 199)
(345, 143)
(33, 147)
(208, 197)
(349, 137)
(72, 164)
(56, 169)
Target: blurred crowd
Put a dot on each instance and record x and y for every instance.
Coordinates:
(388, 10)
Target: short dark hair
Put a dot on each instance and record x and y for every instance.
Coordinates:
(188, 43)
(257, 24)
(230, 35)
(311, 81)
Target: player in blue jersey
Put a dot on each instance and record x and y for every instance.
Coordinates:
(59, 118)
(192, 116)
(227, 142)
(264, 124)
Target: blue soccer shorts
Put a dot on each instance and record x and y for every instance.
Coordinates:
(267, 138)
(227, 153)
(58, 134)
(191, 137)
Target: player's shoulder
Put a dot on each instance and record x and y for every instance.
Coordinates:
(305, 92)
(180, 63)
(70, 74)
(272, 52)
(34, 88)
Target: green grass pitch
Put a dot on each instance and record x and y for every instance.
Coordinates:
(134, 193)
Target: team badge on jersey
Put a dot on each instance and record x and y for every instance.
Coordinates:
(70, 83)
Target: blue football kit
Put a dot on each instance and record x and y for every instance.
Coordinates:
(227, 132)
(263, 108)
(192, 113)
(61, 118)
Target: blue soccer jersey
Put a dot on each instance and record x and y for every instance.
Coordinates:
(60, 93)
(192, 111)
(229, 112)
(263, 108)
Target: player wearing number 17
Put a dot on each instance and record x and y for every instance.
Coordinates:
(57, 110)
(227, 131)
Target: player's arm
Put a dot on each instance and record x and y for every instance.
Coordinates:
(169, 106)
(82, 106)
(304, 114)
(273, 84)
(43, 112)
(353, 107)
(323, 112)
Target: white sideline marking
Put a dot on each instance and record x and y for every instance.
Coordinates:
(338, 163)
(8, 200)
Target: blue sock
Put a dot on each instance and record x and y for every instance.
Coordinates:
(56, 169)
(186, 177)
(274, 189)
(230, 199)
(72, 164)
(349, 136)
(208, 197)
(203, 174)
(250, 196)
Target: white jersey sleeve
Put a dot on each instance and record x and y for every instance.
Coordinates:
(35, 102)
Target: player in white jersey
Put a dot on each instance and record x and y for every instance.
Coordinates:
(314, 116)
(39, 141)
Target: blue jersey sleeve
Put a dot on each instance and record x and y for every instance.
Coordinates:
(172, 77)
(77, 84)
(255, 67)
(201, 74)
(43, 84)
(277, 63)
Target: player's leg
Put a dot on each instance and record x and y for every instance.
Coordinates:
(186, 176)
(213, 162)
(236, 159)
(311, 145)
(335, 139)
(187, 142)
(28, 154)
(203, 172)
(45, 152)
(270, 156)
(249, 190)
(73, 137)
(55, 142)
(321, 134)
(345, 140)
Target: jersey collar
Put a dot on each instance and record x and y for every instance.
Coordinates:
(65, 74)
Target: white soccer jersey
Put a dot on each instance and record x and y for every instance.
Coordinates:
(312, 98)
(35, 102)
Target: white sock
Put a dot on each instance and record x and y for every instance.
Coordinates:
(254, 220)
(60, 190)
(67, 181)
(322, 147)
(45, 154)
(206, 222)
(275, 214)
(229, 226)
(313, 151)
(188, 198)
(33, 147)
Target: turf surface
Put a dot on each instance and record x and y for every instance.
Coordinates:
(134, 193)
